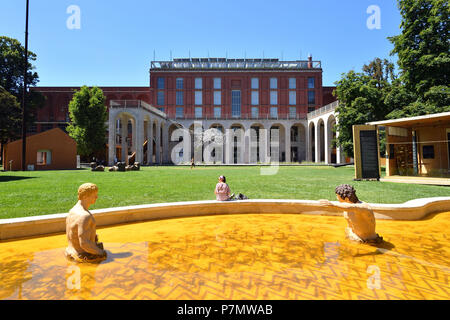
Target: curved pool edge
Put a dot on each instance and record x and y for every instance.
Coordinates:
(55, 223)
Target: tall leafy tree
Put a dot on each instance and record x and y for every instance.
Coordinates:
(88, 116)
(423, 50)
(9, 121)
(361, 98)
(12, 55)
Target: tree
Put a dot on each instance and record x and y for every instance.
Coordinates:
(88, 116)
(423, 50)
(361, 99)
(9, 117)
(12, 55)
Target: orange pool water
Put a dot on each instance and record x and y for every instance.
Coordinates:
(260, 256)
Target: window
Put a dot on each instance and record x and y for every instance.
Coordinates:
(255, 83)
(62, 126)
(273, 83)
(32, 128)
(160, 109)
(217, 83)
(198, 98)
(292, 112)
(179, 98)
(311, 97)
(160, 84)
(217, 112)
(179, 83)
(160, 98)
(44, 157)
(292, 98)
(217, 98)
(255, 98)
(198, 112)
(236, 103)
(179, 112)
(292, 83)
(428, 152)
(274, 112)
(273, 97)
(46, 126)
(311, 83)
(198, 83)
(255, 112)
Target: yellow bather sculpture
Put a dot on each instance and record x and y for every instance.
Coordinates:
(359, 215)
(81, 228)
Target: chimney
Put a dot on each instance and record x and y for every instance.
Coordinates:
(310, 64)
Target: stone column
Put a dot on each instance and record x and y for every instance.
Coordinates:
(165, 143)
(308, 155)
(287, 143)
(246, 145)
(317, 142)
(124, 136)
(139, 140)
(158, 143)
(263, 145)
(150, 142)
(327, 143)
(228, 146)
(111, 138)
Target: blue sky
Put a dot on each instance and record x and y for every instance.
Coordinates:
(117, 39)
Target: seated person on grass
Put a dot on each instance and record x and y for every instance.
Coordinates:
(359, 215)
(222, 190)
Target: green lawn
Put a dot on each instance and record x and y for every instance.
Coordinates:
(46, 192)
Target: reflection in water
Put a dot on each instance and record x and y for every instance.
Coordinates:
(237, 257)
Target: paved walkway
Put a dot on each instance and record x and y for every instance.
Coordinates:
(418, 180)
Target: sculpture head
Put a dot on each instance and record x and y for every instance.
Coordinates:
(346, 193)
(88, 193)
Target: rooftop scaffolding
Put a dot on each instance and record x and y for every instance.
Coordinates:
(240, 64)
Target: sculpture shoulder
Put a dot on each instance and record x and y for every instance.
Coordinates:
(79, 214)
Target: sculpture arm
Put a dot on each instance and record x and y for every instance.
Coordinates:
(355, 207)
(85, 230)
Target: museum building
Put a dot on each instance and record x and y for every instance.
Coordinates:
(244, 99)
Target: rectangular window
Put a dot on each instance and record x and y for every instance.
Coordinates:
(180, 95)
(217, 83)
(198, 98)
(428, 152)
(274, 112)
(255, 83)
(44, 157)
(255, 98)
(255, 112)
(160, 98)
(273, 97)
(217, 98)
(179, 112)
(292, 98)
(217, 112)
(236, 103)
(311, 97)
(198, 83)
(198, 112)
(160, 83)
(292, 112)
(311, 83)
(180, 83)
(273, 83)
(292, 83)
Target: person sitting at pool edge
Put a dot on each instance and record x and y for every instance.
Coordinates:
(81, 228)
(359, 215)
(222, 190)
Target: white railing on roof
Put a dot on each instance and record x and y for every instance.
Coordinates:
(329, 107)
(136, 104)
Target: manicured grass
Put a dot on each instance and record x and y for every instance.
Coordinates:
(46, 192)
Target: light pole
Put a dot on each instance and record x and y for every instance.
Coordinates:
(24, 95)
